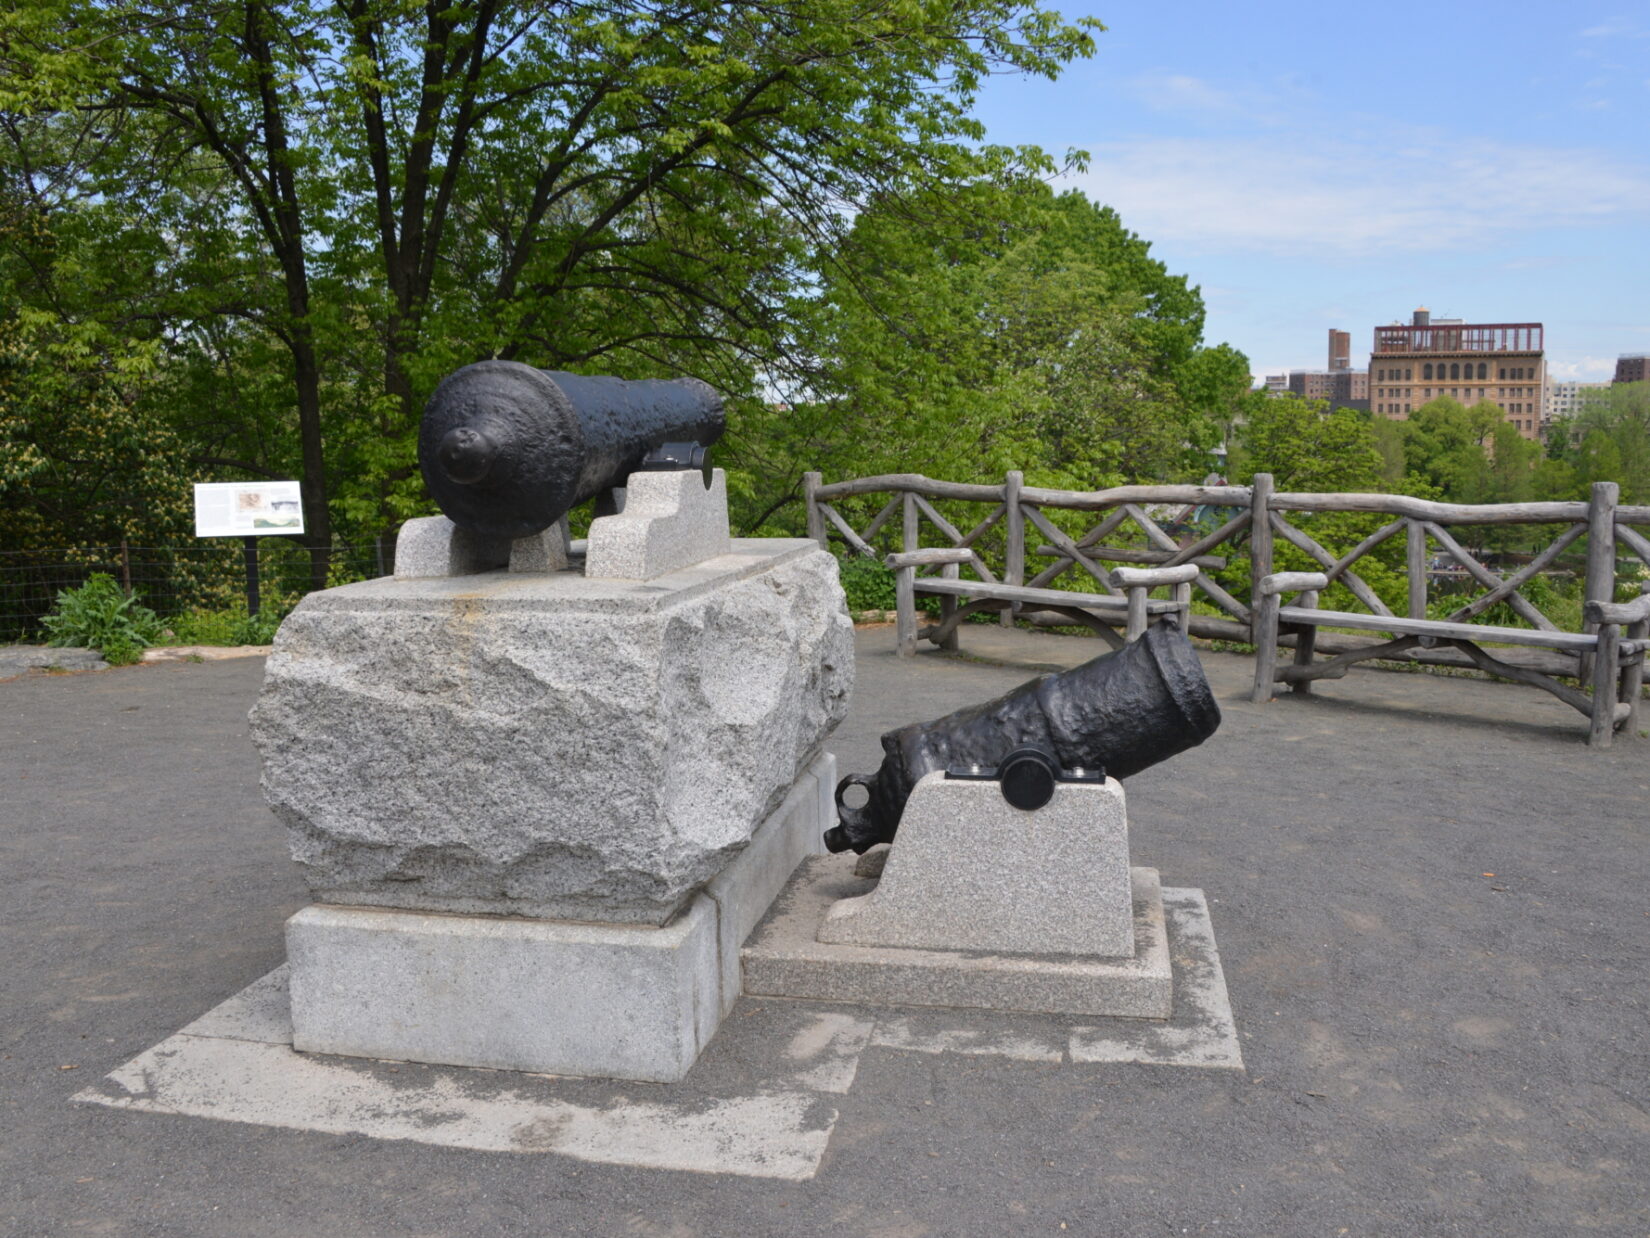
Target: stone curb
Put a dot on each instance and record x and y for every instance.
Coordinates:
(204, 653)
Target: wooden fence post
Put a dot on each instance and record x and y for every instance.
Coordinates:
(905, 593)
(816, 518)
(1306, 642)
(1415, 559)
(1014, 523)
(1601, 561)
(1260, 556)
(1264, 609)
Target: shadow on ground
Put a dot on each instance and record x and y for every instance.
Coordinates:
(1428, 894)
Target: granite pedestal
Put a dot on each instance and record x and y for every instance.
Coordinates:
(980, 904)
(540, 804)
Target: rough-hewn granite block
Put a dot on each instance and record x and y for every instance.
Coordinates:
(545, 744)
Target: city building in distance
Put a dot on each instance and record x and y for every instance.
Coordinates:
(1632, 367)
(1340, 384)
(1565, 397)
(1502, 362)
(1340, 350)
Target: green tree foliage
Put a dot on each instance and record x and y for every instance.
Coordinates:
(1612, 433)
(1444, 446)
(84, 459)
(1306, 445)
(372, 193)
(1004, 327)
(1309, 447)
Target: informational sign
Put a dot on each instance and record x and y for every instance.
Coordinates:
(248, 509)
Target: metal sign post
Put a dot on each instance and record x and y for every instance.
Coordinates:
(251, 544)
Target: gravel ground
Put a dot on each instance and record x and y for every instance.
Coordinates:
(1429, 897)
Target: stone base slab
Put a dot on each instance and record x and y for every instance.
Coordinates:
(784, 958)
(762, 1102)
(555, 996)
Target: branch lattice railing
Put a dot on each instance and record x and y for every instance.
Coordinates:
(1348, 537)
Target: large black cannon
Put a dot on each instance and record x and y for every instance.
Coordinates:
(1121, 713)
(507, 450)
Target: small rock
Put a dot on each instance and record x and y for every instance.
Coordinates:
(870, 864)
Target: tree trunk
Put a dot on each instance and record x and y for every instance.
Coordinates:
(317, 520)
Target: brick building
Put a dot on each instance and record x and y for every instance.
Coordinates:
(1632, 367)
(1470, 362)
(1340, 384)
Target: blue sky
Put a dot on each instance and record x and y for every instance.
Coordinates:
(1312, 165)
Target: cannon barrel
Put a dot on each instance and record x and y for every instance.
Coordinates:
(507, 450)
(1121, 712)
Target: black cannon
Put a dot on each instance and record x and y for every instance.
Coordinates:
(507, 450)
(1120, 713)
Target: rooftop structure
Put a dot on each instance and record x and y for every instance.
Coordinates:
(1340, 349)
(1451, 335)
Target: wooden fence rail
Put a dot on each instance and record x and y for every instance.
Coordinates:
(1020, 554)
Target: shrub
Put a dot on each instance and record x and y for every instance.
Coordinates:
(232, 626)
(100, 616)
(868, 584)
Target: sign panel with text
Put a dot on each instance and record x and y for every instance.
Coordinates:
(248, 509)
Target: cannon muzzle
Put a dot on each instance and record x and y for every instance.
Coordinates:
(507, 450)
(1122, 712)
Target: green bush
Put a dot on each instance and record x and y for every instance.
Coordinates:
(868, 584)
(232, 626)
(100, 616)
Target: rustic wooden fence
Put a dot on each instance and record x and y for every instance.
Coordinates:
(1018, 552)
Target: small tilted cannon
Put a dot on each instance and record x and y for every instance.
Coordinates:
(1116, 715)
(508, 450)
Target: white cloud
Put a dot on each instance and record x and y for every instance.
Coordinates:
(1584, 369)
(1297, 195)
(1615, 28)
(1180, 92)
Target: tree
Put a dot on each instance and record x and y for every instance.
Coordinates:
(1306, 445)
(83, 459)
(1001, 327)
(639, 188)
(1613, 426)
(1444, 445)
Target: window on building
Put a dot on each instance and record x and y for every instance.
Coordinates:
(1455, 370)
(1483, 370)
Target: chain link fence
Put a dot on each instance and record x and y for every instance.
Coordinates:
(172, 580)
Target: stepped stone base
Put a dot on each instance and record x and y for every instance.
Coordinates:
(784, 958)
(553, 996)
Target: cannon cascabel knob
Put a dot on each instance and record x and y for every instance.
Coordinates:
(466, 454)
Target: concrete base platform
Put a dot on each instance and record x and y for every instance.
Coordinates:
(784, 958)
(761, 1102)
(618, 1001)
